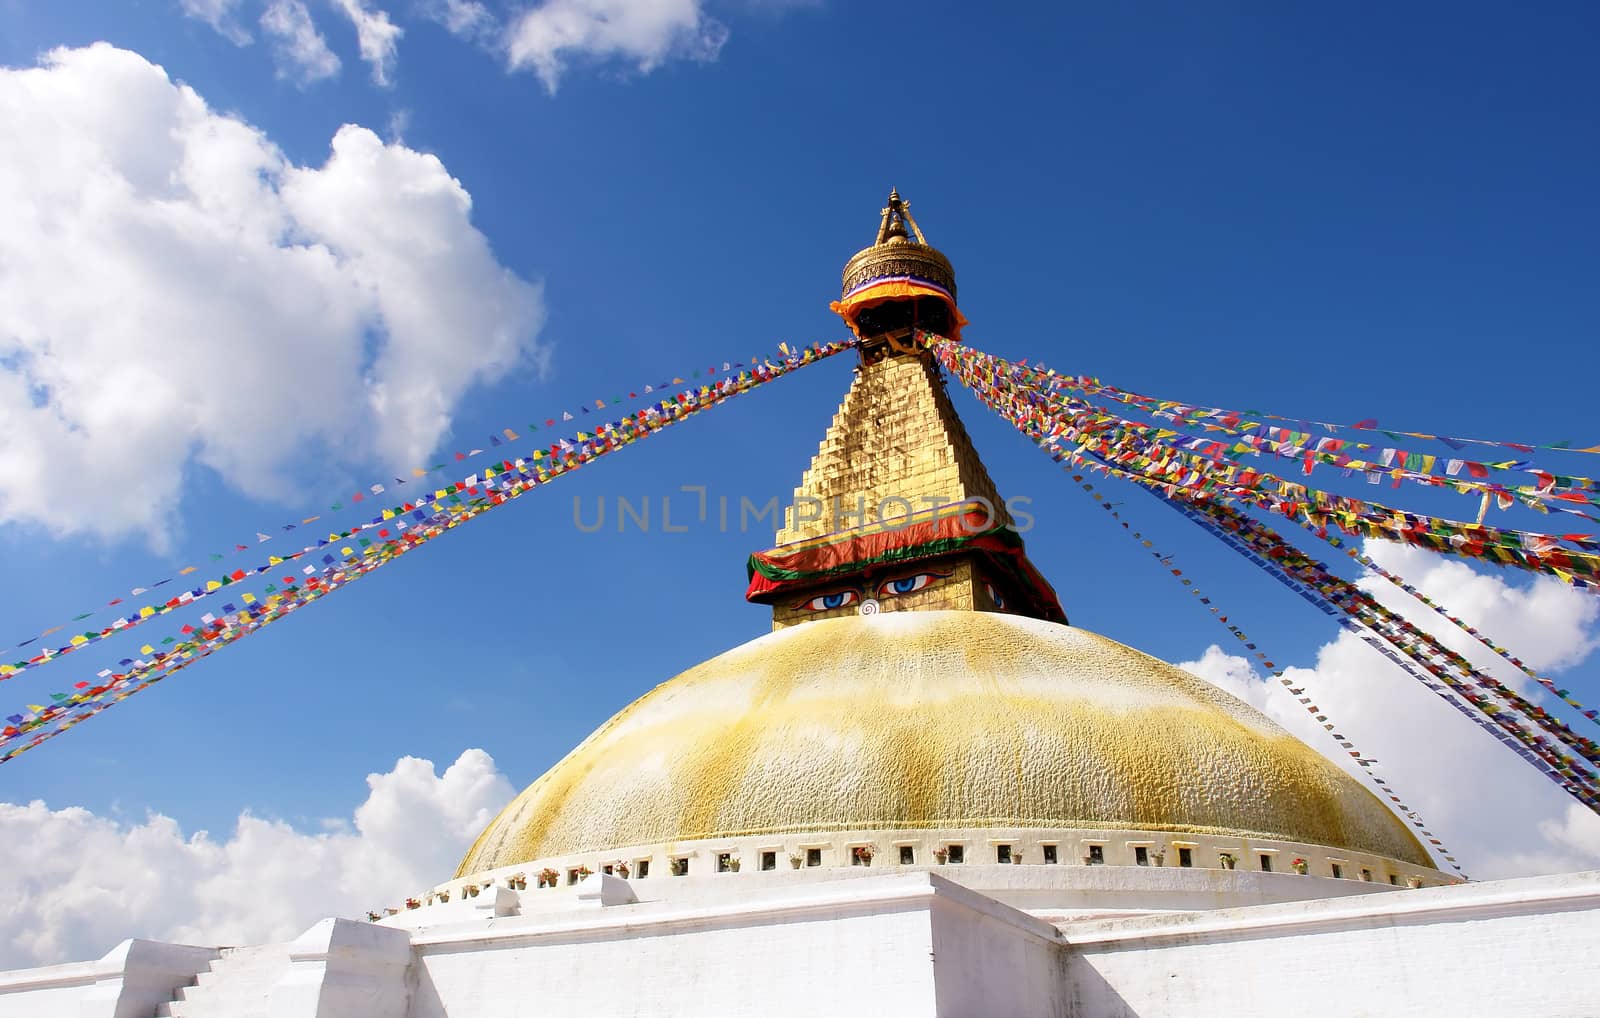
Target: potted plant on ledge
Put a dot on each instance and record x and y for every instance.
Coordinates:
(517, 881)
(863, 854)
(941, 855)
(1227, 860)
(549, 878)
(796, 861)
(1300, 865)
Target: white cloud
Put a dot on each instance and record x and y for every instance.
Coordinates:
(302, 54)
(219, 15)
(75, 883)
(376, 36)
(468, 19)
(399, 124)
(644, 33)
(1492, 809)
(174, 291)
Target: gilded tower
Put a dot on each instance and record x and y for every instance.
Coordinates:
(896, 511)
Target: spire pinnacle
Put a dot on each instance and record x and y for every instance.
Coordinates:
(896, 216)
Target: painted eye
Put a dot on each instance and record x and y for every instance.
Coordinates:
(826, 602)
(994, 595)
(907, 584)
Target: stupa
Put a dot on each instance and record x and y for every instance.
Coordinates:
(922, 697)
(923, 793)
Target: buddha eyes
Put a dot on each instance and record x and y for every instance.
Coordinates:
(994, 595)
(908, 584)
(826, 602)
(889, 588)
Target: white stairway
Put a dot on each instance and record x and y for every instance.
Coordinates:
(237, 985)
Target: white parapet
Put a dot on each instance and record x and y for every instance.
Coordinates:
(909, 943)
(128, 982)
(340, 968)
(1528, 946)
(903, 944)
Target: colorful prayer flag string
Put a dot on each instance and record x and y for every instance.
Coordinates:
(1238, 419)
(1044, 426)
(1441, 610)
(1093, 429)
(420, 523)
(1286, 560)
(1577, 784)
(1541, 718)
(1299, 693)
(224, 582)
(1113, 444)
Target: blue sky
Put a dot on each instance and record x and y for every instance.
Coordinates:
(1340, 214)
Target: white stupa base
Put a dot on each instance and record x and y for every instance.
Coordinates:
(909, 943)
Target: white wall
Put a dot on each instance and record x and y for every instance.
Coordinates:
(914, 944)
(128, 982)
(886, 946)
(1527, 947)
(992, 961)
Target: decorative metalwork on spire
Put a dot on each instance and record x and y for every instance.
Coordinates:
(897, 287)
(895, 255)
(896, 217)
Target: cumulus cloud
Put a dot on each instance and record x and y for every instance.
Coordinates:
(219, 14)
(174, 291)
(377, 37)
(643, 33)
(298, 48)
(75, 884)
(1498, 816)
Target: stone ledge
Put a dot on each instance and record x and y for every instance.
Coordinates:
(858, 896)
(1565, 892)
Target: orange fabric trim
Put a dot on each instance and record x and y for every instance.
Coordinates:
(894, 289)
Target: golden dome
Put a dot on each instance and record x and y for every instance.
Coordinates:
(947, 719)
(894, 255)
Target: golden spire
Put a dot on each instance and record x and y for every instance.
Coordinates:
(896, 511)
(896, 216)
